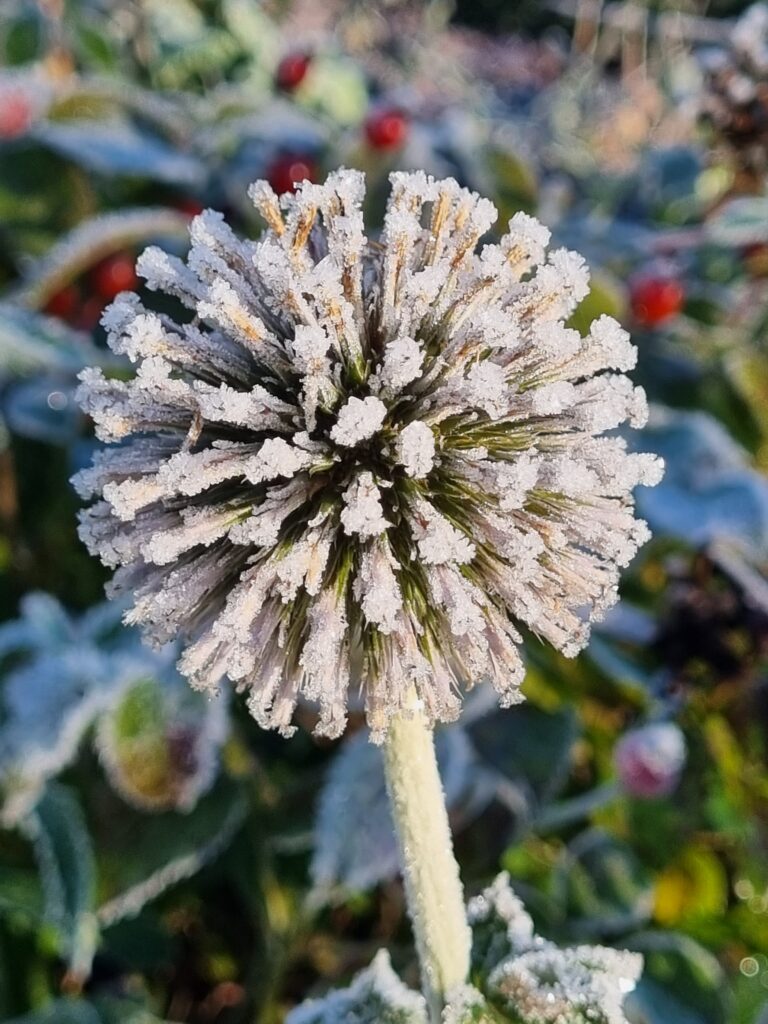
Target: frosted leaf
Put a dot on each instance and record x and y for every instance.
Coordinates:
(466, 1005)
(583, 985)
(74, 673)
(354, 839)
(533, 979)
(376, 996)
(372, 464)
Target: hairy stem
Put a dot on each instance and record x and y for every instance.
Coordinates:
(432, 884)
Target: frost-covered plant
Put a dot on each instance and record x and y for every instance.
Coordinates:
(521, 978)
(364, 463)
(376, 996)
(158, 742)
(537, 981)
(354, 847)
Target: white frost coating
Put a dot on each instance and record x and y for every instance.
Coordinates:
(465, 1004)
(397, 447)
(439, 542)
(363, 513)
(542, 983)
(403, 359)
(357, 420)
(415, 447)
(376, 993)
(377, 589)
(276, 458)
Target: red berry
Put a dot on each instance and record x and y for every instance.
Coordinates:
(63, 303)
(386, 129)
(285, 171)
(89, 314)
(655, 299)
(15, 114)
(113, 275)
(756, 259)
(292, 70)
(189, 206)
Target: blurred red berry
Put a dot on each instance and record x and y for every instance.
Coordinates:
(655, 299)
(89, 313)
(386, 129)
(756, 259)
(189, 206)
(292, 70)
(63, 303)
(283, 172)
(113, 275)
(15, 115)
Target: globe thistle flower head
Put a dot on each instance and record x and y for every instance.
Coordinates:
(362, 465)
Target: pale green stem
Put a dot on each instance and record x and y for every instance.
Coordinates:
(432, 885)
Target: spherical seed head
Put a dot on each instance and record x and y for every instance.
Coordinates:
(357, 467)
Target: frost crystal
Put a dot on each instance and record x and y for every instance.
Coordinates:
(540, 982)
(358, 466)
(376, 996)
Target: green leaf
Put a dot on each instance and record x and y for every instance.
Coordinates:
(65, 858)
(601, 886)
(515, 185)
(164, 849)
(376, 996)
(21, 897)
(681, 982)
(530, 746)
(605, 297)
(81, 1011)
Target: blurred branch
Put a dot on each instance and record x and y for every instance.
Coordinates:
(90, 242)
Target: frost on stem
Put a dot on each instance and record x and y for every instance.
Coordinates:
(381, 456)
(523, 979)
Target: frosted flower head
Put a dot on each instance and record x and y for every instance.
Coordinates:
(360, 466)
(649, 760)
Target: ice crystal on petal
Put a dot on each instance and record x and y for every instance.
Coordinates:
(415, 448)
(363, 511)
(362, 465)
(358, 420)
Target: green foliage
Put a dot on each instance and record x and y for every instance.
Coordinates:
(66, 862)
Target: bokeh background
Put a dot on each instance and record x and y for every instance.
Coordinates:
(161, 859)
